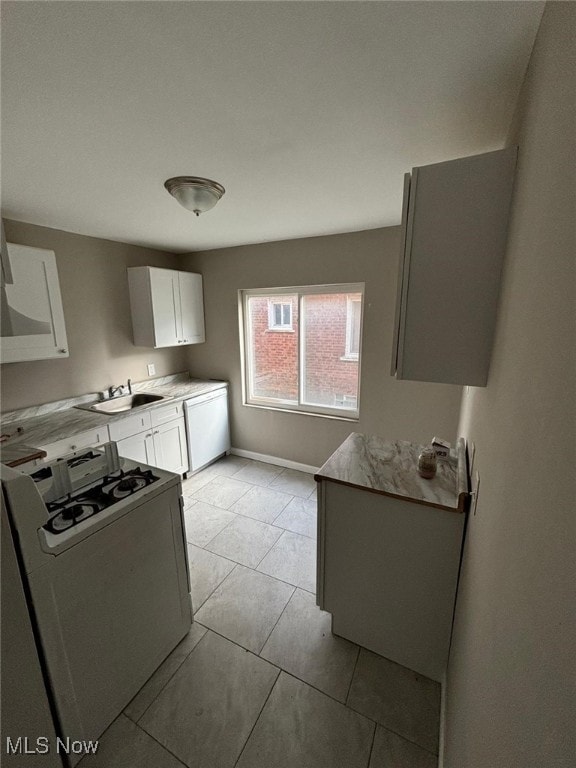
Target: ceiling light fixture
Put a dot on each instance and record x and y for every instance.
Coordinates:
(195, 194)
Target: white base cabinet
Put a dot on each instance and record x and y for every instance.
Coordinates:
(388, 573)
(91, 438)
(156, 437)
(167, 307)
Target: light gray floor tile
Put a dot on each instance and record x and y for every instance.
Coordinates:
(206, 712)
(303, 644)
(258, 472)
(245, 541)
(204, 521)
(261, 504)
(125, 745)
(156, 683)
(299, 516)
(300, 726)
(292, 559)
(392, 751)
(221, 491)
(245, 607)
(228, 465)
(193, 483)
(294, 482)
(397, 698)
(207, 571)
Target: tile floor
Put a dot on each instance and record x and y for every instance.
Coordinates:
(260, 681)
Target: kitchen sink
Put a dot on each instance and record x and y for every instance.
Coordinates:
(123, 403)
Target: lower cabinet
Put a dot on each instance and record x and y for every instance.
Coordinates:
(388, 572)
(89, 439)
(170, 446)
(139, 448)
(161, 444)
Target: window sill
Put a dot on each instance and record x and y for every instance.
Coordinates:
(280, 330)
(297, 412)
(350, 358)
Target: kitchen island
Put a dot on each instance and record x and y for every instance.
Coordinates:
(389, 545)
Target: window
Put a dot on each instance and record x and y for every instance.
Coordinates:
(316, 367)
(280, 315)
(353, 317)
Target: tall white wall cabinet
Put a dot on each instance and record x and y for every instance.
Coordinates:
(454, 228)
(32, 321)
(167, 307)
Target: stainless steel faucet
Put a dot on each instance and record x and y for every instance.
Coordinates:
(112, 391)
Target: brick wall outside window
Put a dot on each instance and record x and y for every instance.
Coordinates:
(328, 378)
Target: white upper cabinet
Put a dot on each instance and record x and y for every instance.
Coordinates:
(32, 322)
(167, 307)
(454, 229)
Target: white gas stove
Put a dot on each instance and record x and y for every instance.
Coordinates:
(103, 558)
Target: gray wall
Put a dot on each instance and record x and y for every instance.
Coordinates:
(511, 695)
(393, 409)
(94, 288)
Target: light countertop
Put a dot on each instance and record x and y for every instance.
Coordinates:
(371, 463)
(46, 424)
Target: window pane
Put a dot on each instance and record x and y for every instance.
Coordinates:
(286, 318)
(272, 356)
(355, 308)
(328, 380)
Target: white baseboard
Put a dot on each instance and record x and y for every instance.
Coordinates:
(442, 722)
(274, 460)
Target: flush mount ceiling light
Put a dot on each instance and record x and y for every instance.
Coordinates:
(195, 194)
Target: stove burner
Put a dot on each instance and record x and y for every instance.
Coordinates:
(112, 489)
(71, 514)
(77, 460)
(42, 474)
(129, 483)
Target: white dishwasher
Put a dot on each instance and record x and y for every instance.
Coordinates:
(207, 427)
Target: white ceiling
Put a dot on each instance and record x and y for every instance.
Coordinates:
(309, 113)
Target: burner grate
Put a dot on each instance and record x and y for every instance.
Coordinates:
(109, 491)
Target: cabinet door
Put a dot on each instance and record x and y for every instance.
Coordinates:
(455, 224)
(192, 307)
(165, 293)
(138, 448)
(171, 447)
(32, 319)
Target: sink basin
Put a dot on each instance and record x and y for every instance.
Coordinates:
(123, 403)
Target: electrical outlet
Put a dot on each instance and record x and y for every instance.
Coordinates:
(151, 369)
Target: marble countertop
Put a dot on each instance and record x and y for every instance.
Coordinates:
(391, 468)
(45, 424)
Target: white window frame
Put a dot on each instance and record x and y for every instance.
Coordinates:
(272, 325)
(345, 414)
(348, 353)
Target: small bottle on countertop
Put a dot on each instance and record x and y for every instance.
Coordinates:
(427, 463)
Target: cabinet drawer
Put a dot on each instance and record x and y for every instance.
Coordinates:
(129, 426)
(77, 442)
(166, 413)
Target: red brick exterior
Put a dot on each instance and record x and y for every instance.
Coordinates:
(329, 378)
